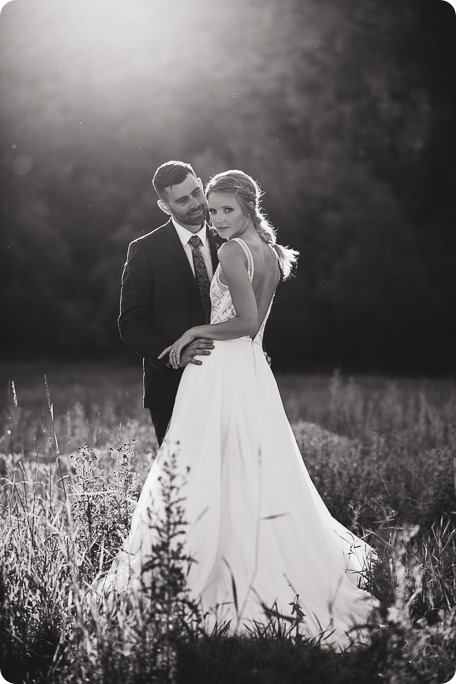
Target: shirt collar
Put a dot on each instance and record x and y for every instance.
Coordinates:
(185, 235)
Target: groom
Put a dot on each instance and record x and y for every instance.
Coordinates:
(165, 287)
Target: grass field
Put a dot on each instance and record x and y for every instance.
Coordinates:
(381, 452)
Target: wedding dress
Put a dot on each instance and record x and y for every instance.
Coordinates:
(253, 511)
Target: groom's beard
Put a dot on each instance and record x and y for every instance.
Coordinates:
(196, 217)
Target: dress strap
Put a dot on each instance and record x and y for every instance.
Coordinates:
(248, 254)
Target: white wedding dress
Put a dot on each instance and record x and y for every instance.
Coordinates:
(250, 503)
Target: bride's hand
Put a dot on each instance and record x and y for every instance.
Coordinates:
(176, 348)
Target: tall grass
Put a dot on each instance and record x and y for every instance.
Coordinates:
(381, 454)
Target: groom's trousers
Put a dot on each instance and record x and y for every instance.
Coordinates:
(160, 419)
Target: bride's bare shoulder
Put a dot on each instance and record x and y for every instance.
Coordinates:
(230, 249)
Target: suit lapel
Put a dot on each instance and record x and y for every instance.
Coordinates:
(171, 240)
(174, 246)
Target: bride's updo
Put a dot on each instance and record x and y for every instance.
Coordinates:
(248, 192)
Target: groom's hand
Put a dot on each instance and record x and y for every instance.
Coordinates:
(198, 347)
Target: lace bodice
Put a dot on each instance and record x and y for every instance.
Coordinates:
(221, 303)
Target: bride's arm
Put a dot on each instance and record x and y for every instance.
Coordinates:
(245, 322)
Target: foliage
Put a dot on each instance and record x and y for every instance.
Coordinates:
(101, 510)
(134, 634)
(342, 109)
(51, 631)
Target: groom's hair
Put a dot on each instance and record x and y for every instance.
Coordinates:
(168, 174)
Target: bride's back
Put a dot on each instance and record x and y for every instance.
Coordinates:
(266, 273)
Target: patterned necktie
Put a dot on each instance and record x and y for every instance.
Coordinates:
(201, 275)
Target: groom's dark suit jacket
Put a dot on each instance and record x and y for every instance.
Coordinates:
(159, 301)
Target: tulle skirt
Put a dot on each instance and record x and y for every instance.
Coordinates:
(258, 530)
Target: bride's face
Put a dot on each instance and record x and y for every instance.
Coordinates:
(226, 215)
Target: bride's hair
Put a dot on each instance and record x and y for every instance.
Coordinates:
(247, 190)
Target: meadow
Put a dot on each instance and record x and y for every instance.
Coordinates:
(75, 447)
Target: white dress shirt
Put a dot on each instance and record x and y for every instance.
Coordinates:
(184, 237)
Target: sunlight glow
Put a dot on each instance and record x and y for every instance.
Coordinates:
(3, 3)
(105, 60)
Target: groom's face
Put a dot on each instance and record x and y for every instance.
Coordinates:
(186, 202)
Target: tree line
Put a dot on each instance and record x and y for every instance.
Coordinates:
(343, 110)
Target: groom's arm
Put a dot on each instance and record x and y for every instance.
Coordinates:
(135, 319)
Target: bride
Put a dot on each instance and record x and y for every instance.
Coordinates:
(252, 510)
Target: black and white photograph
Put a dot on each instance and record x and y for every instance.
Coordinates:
(228, 351)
